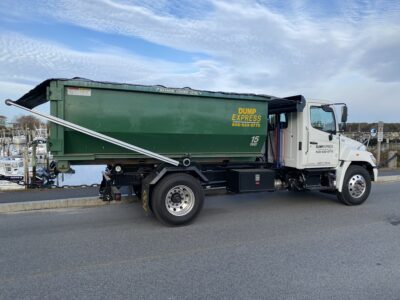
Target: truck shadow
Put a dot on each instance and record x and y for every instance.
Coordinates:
(282, 196)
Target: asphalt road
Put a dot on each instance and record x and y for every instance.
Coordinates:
(261, 246)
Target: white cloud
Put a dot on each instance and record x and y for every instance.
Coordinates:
(252, 46)
(26, 62)
(251, 37)
(367, 99)
(382, 60)
(24, 59)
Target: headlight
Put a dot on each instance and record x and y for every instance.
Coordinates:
(373, 158)
(362, 148)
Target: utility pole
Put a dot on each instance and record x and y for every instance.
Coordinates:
(34, 145)
(3, 143)
(380, 140)
(26, 167)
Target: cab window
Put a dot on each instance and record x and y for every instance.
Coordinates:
(323, 119)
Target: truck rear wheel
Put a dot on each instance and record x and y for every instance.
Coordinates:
(356, 186)
(177, 199)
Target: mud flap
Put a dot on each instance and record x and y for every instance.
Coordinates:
(146, 191)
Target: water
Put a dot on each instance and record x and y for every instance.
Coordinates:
(85, 174)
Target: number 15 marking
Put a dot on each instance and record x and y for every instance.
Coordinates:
(254, 140)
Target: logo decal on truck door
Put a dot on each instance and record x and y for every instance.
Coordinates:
(323, 149)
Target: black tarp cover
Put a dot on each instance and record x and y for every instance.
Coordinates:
(287, 104)
(37, 96)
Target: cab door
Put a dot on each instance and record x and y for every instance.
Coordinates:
(322, 139)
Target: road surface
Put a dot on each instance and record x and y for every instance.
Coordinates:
(268, 245)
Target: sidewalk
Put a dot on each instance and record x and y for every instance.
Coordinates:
(35, 199)
(46, 194)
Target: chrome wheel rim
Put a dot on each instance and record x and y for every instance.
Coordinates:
(357, 186)
(179, 200)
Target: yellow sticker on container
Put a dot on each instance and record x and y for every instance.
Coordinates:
(246, 117)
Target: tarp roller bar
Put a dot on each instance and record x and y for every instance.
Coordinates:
(97, 135)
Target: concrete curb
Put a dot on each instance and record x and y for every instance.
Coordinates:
(392, 178)
(51, 204)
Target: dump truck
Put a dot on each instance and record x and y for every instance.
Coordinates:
(172, 144)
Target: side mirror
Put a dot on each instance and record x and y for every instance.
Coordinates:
(342, 127)
(344, 114)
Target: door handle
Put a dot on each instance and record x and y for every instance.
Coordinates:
(313, 143)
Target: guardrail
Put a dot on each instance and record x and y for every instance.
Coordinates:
(386, 162)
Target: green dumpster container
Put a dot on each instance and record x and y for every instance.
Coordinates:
(175, 122)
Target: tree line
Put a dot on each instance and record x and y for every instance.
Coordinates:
(25, 122)
(366, 127)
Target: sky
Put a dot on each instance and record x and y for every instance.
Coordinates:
(342, 51)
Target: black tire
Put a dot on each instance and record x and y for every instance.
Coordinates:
(354, 179)
(177, 199)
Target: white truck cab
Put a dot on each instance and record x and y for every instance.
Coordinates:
(308, 144)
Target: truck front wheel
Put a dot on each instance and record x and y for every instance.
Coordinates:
(177, 199)
(356, 186)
